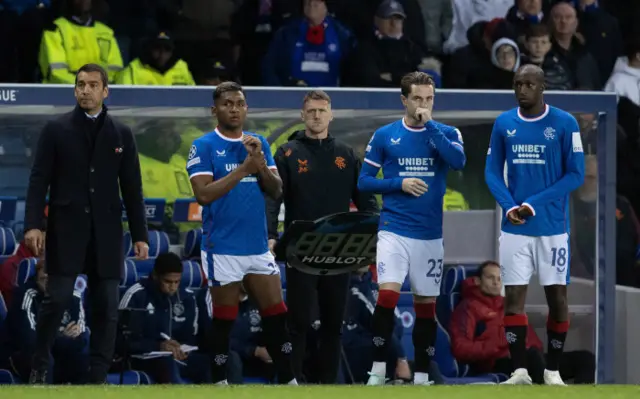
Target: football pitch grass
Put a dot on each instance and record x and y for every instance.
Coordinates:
(323, 392)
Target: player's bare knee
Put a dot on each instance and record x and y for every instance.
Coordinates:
(266, 289)
(424, 299)
(226, 295)
(395, 287)
(515, 297)
(557, 301)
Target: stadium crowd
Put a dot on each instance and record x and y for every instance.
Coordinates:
(470, 44)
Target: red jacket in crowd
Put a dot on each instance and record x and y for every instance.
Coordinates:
(9, 269)
(477, 329)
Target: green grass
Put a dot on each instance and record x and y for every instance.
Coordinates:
(323, 392)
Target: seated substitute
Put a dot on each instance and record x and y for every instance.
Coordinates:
(69, 357)
(170, 321)
(478, 337)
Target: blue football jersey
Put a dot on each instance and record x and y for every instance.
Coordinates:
(545, 163)
(235, 224)
(404, 152)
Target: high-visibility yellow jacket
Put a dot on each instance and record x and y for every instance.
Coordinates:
(67, 46)
(454, 201)
(138, 73)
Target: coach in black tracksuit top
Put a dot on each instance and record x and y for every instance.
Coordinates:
(320, 178)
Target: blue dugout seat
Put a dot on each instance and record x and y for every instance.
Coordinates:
(192, 240)
(8, 243)
(192, 275)
(158, 244)
(26, 270)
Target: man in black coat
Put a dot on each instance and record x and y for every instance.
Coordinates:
(80, 158)
(319, 178)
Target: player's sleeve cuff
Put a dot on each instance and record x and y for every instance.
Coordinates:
(533, 211)
(370, 162)
(273, 167)
(200, 174)
(511, 210)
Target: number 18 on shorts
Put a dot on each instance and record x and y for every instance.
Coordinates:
(422, 260)
(522, 256)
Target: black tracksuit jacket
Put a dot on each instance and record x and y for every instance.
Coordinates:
(320, 177)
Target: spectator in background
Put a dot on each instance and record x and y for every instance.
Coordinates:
(170, 324)
(214, 72)
(21, 25)
(134, 21)
(203, 30)
(70, 352)
(523, 15)
(602, 35)
(74, 40)
(478, 336)
(625, 79)
(466, 15)
(438, 19)
(9, 270)
(157, 65)
(472, 63)
(308, 52)
(570, 47)
(505, 60)
(454, 201)
(162, 169)
(252, 29)
(584, 210)
(624, 82)
(387, 55)
(538, 45)
(357, 16)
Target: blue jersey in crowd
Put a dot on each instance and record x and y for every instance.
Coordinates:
(235, 224)
(545, 162)
(404, 152)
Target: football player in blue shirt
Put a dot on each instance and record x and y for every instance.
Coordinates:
(229, 170)
(542, 149)
(415, 154)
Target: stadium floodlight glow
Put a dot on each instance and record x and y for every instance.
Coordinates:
(30, 99)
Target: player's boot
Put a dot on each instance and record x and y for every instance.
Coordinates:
(422, 379)
(223, 382)
(376, 379)
(519, 377)
(553, 378)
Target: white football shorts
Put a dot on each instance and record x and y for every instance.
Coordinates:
(422, 260)
(522, 256)
(227, 269)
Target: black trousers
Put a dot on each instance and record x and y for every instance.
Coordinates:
(329, 294)
(103, 296)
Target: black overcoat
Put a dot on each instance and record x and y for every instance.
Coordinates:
(85, 165)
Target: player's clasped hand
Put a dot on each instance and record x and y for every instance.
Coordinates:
(514, 217)
(252, 144)
(423, 114)
(414, 186)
